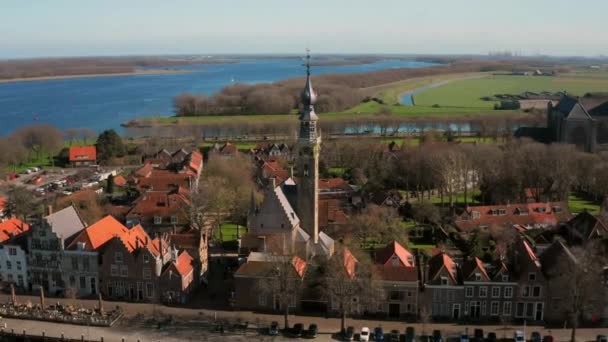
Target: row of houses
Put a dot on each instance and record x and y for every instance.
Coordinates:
(63, 255)
(522, 285)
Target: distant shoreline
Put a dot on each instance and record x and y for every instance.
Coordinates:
(136, 72)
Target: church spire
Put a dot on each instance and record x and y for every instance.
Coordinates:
(308, 96)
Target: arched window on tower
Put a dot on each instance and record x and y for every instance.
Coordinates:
(305, 170)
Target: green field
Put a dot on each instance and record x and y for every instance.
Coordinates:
(468, 93)
(229, 232)
(578, 204)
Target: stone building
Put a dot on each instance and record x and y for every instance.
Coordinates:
(582, 121)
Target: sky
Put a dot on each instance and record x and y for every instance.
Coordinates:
(39, 28)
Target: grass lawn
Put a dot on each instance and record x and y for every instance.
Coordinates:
(229, 231)
(578, 204)
(468, 93)
(241, 145)
(459, 198)
(336, 171)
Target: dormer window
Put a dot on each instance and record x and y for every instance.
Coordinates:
(477, 276)
(531, 276)
(410, 260)
(174, 219)
(395, 260)
(158, 220)
(305, 171)
(502, 212)
(476, 214)
(505, 277)
(444, 280)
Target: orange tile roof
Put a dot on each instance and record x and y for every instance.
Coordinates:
(299, 265)
(100, 232)
(184, 263)
(475, 264)
(333, 183)
(350, 263)
(145, 170)
(83, 153)
(384, 256)
(120, 180)
(163, 180)
(160, 204)
(11, 228)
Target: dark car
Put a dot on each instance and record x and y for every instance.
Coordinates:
(425, 338)
(491, 337)
(297, 330)
(601, 338)
(273, 330)
(378, 334)
(393, 336)
(548, 338)
(478, 335)
(410, 334)
(349, 334)
(535, 337)
(437, 336)
(312, 331)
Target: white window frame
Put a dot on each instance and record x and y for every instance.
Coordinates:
(507, 308)
(509, 292)
(497, 290)
(118, 258)
(174, 219)
(124, 271)
(483, 292)
(114, 272)
(147, 273)
(262, 300)
(158, 219)
(494, 305)
(466, 292)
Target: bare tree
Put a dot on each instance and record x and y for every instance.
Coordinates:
(20, 202)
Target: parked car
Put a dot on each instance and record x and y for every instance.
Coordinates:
(437, 336)
(548, 338)
(297, 330)
(312, 331)
(393, 336)
(364, 335)
(518, 336)
(478, 335)
(378, 334)
(464, 337)
(349, 334)
(425, 338)
(601, 338)
(491, 337)
(410, 334)
(535, 337)
(274, 328)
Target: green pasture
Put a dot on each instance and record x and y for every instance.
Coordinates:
(578, 204)
(229, 232)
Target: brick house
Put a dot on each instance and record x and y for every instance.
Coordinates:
(196, 244)
(258, 268)
(83, 155)
(488, 291)
(395, 275)
(177, 280)
(131, 265)
(13, 257)
(46, 243)
(161, 211)
(443, 294)
(529, 299)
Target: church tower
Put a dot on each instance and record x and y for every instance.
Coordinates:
(307, 161)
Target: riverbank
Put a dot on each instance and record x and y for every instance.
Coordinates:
(132, 73)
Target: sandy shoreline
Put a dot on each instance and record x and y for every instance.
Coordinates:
(136, 72)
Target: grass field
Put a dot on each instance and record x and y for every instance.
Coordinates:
(468, 93)
(229, 232)
(578, 204)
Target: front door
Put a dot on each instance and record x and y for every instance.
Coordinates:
(393, 310)
(456, 311)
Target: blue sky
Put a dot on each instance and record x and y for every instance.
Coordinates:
(34, 28)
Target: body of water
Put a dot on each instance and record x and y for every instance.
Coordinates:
(105, 102)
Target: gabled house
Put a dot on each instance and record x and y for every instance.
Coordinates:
(395, 275)
(443, 294)
(13, 256)
(253, 274)
(177, 279)
(227, 150)
(161, 211)
(488, 290)
(82, 155)
(526, 269)
(196, 244)
(584, 227)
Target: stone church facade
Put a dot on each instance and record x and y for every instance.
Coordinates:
(582, 121)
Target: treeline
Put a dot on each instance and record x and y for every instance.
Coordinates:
(30, 143)
(336, 91)
(47, 67)
(502, 172)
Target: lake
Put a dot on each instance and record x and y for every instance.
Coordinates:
(105, 102)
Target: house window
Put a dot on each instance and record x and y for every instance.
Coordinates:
(495, 292)
(158, 220)
(506, 308)
(292, 302)
(395, 295)
(477, 277)
(519, 310)
(483, 308)
(83, 283)
(468, 292)
(12, 251)
(146, 258)
(124, 271)
(149, 290)
(8, 265)
(174, 219)
(262, 300)
(494, 308)
(476, 214)
(483, 291)
(525, 291)
(74, 263)
(114, 270)
(72, 281)
(536, 291)
(505, 277)
(531, 276)
(10, 277)
(118, 257)
(20, 280)
(86, 264)
(395, 260)
(18, 265)
(508, 292)
(147, 273)
(444, 280)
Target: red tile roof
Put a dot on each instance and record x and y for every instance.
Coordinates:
(334, 184)
(163, 180)
(394, 273)
(385, 255)
(330, 213)
(442, 261)
(100, 232)
(350, 263)
(475, 264)
(11, 228)
(524, 214)
(145, 170)
(299, 265)
(184, 264)
(83, 153)
(161, 204)
(120, 180)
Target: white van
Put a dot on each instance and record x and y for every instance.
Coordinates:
(518, 336)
